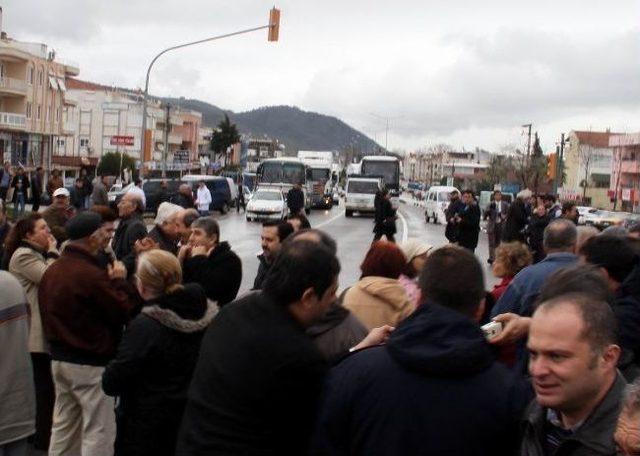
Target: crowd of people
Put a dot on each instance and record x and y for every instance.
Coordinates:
(119, 340)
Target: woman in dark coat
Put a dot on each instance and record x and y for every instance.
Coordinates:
(385, 217)
(517, 218)
(156, 357)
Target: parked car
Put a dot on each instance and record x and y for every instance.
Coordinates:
(584, 212)
(223, 190)
(604, 219)
(630, 220)
(266, 204)
(436, 202)
(153, 192)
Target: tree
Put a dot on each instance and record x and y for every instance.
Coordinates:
(585, 158)
(224, 136)
(110, 164)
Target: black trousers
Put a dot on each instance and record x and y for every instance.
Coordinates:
(45, 399)
(36, 204)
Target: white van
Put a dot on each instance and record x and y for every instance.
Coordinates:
(360, 194)
(436, 202)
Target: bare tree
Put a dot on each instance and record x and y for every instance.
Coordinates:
(585, 157)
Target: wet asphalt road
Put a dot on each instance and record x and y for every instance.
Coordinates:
(353, 236)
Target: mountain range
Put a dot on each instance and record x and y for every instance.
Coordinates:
(293, 127)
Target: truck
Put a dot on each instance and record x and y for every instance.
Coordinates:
(321, 178)
(361, 194)
(284, 173)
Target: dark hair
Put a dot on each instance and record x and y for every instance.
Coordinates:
(321, 237)
(137, 181)
(209, 225)
(548, 197)
(18, 233)
(567, 206)
(453, 278)
(560, 234)
(495, 192)
(600, 323)
(284, 228)
(304, 221)
(79, 180)
(574, 280)
(470, 192)
(190, 216)
(105, 212)
(300, 265)
(409, 270)
(615, 254)
(384, 259)
(39, 168)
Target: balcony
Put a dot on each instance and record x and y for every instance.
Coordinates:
(13, 121)
(12, 86)
(175, 139)
(630, 166)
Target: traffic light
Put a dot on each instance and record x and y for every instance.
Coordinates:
(274, 24)
(552, 166)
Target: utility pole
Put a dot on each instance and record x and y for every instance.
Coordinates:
(167, 130)
(273, 26)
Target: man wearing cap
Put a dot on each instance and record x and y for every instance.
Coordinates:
(84, 308)
(166, 234)
(58, 214)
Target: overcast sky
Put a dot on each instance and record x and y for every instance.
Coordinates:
(441, 71)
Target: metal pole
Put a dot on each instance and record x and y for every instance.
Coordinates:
(172, 48)
(167, 129)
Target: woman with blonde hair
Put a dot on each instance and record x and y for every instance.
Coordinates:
(157, 356)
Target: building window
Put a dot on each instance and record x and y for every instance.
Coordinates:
(57, 115)
(29, 109)
(30, 72)
(40, 77)
(84, 142)
(39, 112)
(48, 114)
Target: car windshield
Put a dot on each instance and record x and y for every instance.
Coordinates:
(387, 169)
(319, 174)
(368, 187)
(278, 172)
(267, 196)
(443, 196)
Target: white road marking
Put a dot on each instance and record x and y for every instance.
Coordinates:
(405, 227)
(326, 222)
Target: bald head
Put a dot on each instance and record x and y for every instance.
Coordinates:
(560, 235)
(130, 204)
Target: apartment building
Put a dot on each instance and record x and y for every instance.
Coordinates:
(625, 175)
(32, 100)
(101, 119)
(588, 164)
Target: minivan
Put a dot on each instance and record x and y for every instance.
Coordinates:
(437, 202)
(361, 194)
(153, 192)
(223, 190)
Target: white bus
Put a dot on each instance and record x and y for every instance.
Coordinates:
(284, 173)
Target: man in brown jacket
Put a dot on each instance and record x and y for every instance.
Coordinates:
(83, 309)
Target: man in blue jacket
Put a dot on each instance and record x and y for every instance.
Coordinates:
(434, 388)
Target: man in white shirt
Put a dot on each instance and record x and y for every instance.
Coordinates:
(137, 190)
(203, 199)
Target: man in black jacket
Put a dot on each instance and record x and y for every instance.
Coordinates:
(255, 388)
(435, 387)
(573, 358)
(130, 230)
(166, 233)
(295, 199)
(468, 221)
(211, 263)
(454, 208)
(184, 197)
(273, 235)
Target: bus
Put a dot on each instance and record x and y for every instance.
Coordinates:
(389, 168)
(284, 173)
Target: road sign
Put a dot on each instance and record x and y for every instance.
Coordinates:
(121, 141)
(181, 156)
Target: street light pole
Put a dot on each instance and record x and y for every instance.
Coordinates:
(274, 23)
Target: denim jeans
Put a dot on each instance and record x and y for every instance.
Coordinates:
(19, 206)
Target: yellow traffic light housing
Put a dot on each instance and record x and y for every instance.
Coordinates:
(274, 24)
